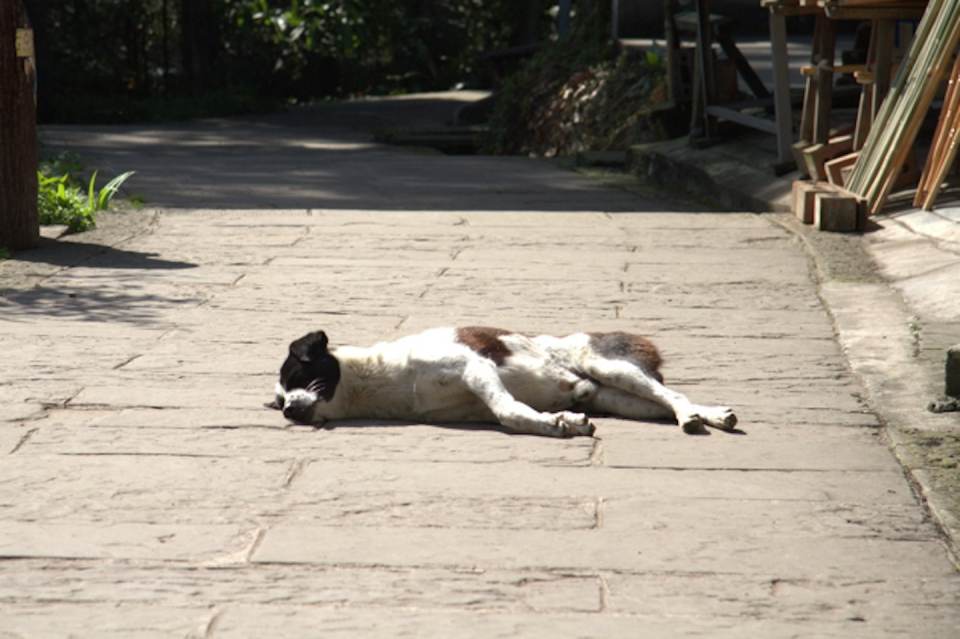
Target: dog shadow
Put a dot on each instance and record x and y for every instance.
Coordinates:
(359, 424)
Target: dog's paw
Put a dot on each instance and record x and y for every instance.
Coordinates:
(692, 424)
(699, 417)
(719, 417)
(573, 424)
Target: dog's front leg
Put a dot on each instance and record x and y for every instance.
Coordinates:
(481, 378)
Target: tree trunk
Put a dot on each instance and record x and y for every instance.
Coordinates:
(37, 14)
(19, 225)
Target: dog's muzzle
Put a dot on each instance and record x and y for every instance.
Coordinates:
(298, 406)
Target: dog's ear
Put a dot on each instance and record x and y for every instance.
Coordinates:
(310, 347)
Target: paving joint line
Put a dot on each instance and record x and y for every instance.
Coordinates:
(297, 469)
(24, 440)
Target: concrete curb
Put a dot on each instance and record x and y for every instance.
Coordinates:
(893, 377)
(712, 174)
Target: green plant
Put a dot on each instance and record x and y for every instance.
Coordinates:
(5, 254)
(101, 201)
(61, 201)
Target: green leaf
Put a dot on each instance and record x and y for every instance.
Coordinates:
(91, 194)
(108, 191)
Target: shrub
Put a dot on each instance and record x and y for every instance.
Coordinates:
(60, 199)
(577, 95)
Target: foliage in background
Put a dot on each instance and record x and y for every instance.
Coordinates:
(576, 95)
(122, 60)
(61, 198)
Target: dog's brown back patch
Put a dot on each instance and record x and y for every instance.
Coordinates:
(485, 341)
(619, 345)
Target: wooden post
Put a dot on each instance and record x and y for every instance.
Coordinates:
(705, 75)
(19, 224)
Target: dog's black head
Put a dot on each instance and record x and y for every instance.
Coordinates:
(309, 375)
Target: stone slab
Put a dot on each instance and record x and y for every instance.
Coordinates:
(324, 477)
(104, 619)
(102, 490)
(207, 435)
(382, 623)
(168, 584)
(857, 453)
(866, 608)
(377, 623)
(727, 549)
(71, 540)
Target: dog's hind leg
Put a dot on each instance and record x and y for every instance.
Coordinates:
(618, 403)
(627, 377)
(481, 378)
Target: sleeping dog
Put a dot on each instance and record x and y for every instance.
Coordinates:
(542, 385)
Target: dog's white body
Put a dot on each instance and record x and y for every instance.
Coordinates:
(542, 385)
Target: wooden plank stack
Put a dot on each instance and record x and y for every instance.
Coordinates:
(944, 148)
(895, 128)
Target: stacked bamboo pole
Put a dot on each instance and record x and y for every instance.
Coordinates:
(945, 142)
(895, 128)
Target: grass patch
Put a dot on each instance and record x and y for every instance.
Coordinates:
(63, 199)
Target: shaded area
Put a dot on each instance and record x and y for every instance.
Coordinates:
(113, 290)
(69, 254)
(90, 305)
(324, 157)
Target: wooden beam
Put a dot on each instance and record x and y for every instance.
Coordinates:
(943, 151)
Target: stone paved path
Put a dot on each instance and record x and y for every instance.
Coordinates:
(145, 492)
